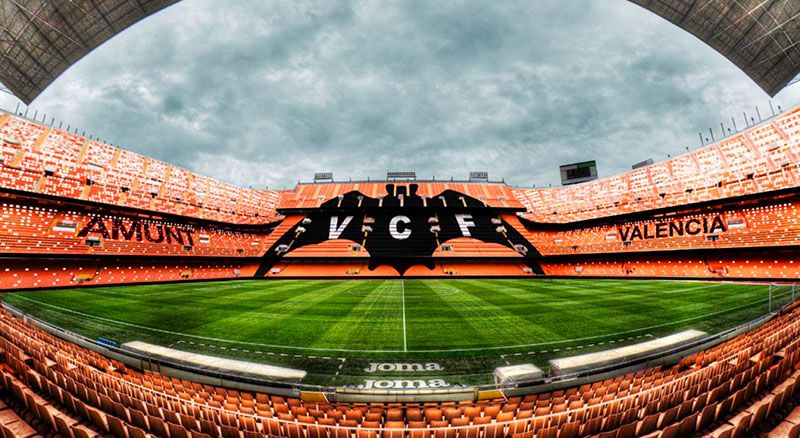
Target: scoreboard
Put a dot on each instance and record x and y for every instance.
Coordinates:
(578, 172)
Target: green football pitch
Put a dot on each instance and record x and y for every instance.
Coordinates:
(334, 329)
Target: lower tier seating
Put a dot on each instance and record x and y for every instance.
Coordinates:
(743, 386)
(788, 425)
(36, 273)
(26, 413)
(761, 265)
(442, 267)
(775, 266)
(23, 273)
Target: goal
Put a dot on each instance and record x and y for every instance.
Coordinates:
(781, 294)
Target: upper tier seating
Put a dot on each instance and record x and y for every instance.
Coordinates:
(39, 159)
(761, 159)
(731, 388)
(313, 195)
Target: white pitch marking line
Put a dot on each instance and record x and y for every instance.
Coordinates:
(345, 350)
(403, 292)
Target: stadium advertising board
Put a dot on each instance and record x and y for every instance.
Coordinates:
(404, 384)
(402, 367)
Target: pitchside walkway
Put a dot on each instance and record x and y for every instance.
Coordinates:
(216, 364)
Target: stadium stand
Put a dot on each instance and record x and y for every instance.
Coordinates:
(25, 273)
(740, 386)
(754, 266)
(290, 268)
(67, 195)
(771, 225)
(39, 159)
(761, 159)
(313, 195)
(33, 229)
(757, 265)
(77, 212)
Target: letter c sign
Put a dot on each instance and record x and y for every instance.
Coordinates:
(393, 227)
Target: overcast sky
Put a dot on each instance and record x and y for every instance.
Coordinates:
(265, 93)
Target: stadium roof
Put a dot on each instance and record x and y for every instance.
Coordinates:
(39, 39)
(762, 37)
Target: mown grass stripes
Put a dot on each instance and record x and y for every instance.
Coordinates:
(358, 318)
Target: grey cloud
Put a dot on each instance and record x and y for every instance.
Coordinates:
(266, 93)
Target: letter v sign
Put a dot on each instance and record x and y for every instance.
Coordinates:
(336, 229)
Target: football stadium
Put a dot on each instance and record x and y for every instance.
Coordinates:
(140, 298)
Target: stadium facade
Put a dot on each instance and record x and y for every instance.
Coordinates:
(93, 214)
(80, 213)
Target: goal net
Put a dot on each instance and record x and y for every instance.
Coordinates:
(781, 294)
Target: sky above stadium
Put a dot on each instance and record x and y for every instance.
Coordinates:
(265, 93)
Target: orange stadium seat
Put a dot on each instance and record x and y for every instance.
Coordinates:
(42, 161)
(31, 229)
(735, 385)
(764, 226)
(39, 159)
(762, 159)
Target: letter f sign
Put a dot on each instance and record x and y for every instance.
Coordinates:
(337, 229)
(464, 223)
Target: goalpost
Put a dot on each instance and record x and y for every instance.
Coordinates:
(781, 295)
